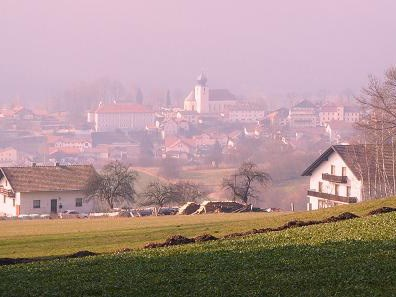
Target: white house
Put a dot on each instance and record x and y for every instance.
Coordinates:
(346, 174)
(44, 189)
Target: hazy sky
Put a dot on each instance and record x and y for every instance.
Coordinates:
(245, 45)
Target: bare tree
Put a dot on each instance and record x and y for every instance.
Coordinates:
(115, 184)
(243, 183)
(185, 191)
(378, 126)
(379, 103)
(158, 194)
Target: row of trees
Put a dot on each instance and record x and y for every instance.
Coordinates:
(115, 185)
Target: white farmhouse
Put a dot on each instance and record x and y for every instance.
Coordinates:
(346, 174)
(44, 189)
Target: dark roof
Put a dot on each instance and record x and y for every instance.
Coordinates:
(48, 178)
(305, 104)
(220, 95)
(108, 138)
(361, 159)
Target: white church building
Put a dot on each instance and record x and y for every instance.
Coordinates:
(205, 100)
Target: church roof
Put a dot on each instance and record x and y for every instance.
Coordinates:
(220, 95)
(190, 97)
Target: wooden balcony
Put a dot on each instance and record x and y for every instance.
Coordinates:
(334, 178)
(332, 197)
(7, 193)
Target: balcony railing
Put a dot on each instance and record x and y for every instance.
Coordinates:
(332, 197)
(6, 192)
(334, 178)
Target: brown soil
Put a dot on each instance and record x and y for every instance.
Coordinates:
(384, 209)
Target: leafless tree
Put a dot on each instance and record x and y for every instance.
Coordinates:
(378, 125)
(115, 184)
(186, 191)
(243, 183)
(158, 194)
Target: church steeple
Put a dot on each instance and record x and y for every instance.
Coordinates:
(201, 79)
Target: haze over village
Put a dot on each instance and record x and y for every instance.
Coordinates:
(208, 117)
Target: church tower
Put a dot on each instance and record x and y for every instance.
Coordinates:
(202, 94)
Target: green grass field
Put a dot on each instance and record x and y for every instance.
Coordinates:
(59, 237)
(349, 258)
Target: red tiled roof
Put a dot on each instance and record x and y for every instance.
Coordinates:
(123, 108)
(48, 178)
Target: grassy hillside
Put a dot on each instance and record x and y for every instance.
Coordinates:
(349, 258)
(59, 237)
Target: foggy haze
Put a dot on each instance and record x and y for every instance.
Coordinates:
(252, 46)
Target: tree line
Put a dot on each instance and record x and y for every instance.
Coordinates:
(115, 185)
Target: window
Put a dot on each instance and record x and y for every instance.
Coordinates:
(333, 169)
(4, 199)
(336, 189)
(343, 171)
(36, 203)
(320, 187)
(79, 202)
(13, 202)
(348, 191)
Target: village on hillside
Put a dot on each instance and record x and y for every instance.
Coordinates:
(209, 136)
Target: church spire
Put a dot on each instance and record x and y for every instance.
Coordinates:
(201, 79)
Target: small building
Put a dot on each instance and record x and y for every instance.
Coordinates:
(346, 174)
(44, 189)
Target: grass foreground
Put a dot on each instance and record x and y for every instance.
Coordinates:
(349, 258)
(37, 238)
